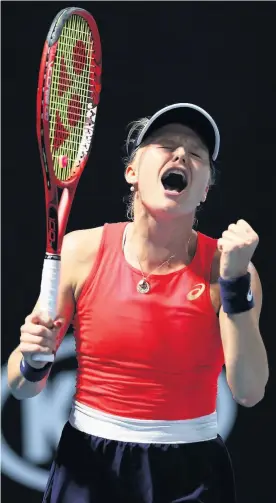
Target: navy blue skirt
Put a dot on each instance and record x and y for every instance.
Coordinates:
(90, 469)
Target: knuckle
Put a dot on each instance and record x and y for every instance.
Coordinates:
(37, 348)
(46, 350)
(25, 336)
(40, 330)
(40, 340)
(21, 347)
(45, 320)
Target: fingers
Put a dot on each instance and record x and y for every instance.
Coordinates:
(242, 224)
(31, 348)
(242, 228)
(38, 334)
(39, 318)
(39, 340)
(37, 330)
(58, 323)
(224, 244)
(233, 240)
(240, 233)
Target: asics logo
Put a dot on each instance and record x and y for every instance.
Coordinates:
(196, 292)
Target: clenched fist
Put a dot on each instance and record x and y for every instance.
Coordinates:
(237, 246)
(38, 335)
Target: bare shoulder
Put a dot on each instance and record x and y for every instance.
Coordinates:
(81, 244)
(78, 254)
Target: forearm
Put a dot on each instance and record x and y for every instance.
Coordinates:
(245, 357)
(19, 386)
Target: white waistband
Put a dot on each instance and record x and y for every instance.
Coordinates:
(100, 424)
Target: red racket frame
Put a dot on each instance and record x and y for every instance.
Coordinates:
(57, 213)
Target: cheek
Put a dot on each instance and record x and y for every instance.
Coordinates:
(202, 175)
(146, 179)
(148, 170)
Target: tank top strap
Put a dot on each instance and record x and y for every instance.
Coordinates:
(113, 236)
(203, 259)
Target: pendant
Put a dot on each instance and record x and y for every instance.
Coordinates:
(143, 286)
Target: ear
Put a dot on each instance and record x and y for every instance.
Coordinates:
(131, 174)
(205, 194)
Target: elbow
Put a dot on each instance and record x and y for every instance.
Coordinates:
(16, 395)
(22, 395)
(15, 391)
(247, 396)
(23, 392)
(250, 400)
(248, 391)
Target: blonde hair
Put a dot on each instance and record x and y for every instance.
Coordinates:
(135, 129)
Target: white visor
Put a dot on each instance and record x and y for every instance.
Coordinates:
(189, 115)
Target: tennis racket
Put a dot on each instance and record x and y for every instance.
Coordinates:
(68, 94)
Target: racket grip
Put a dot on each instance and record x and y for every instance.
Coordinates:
(48, 294)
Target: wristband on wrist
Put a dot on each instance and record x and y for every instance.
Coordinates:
(34, 375)
(236, 294)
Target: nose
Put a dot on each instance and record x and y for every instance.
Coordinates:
(179, 155)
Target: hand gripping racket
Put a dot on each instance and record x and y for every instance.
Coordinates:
(68, 94)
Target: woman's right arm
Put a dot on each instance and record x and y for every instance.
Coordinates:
(43, 335)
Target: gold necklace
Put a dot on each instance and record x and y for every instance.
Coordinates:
(143, 285)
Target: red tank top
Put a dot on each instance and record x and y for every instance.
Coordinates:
(147, 356)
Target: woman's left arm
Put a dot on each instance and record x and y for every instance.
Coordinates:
(244, 351)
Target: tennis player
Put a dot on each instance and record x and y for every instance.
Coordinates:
(158, 309)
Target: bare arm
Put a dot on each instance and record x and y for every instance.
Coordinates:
(20, 387)
(38, 334)
(244, 351)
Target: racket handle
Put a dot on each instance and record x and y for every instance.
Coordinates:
(49, 294)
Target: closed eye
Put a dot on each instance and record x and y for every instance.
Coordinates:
(195, 155)
(171, 149)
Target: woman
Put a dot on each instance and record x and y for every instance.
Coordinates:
(158, 310)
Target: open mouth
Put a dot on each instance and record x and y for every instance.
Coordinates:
(174, 180)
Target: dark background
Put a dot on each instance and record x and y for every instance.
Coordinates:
(219, 55)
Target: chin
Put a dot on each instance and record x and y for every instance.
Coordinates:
(169, 210)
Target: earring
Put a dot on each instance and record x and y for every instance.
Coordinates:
(131, 188)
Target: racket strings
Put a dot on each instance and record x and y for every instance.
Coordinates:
(72, 82)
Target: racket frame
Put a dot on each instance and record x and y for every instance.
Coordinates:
(57, 212)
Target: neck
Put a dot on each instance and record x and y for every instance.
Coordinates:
(150, 241)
